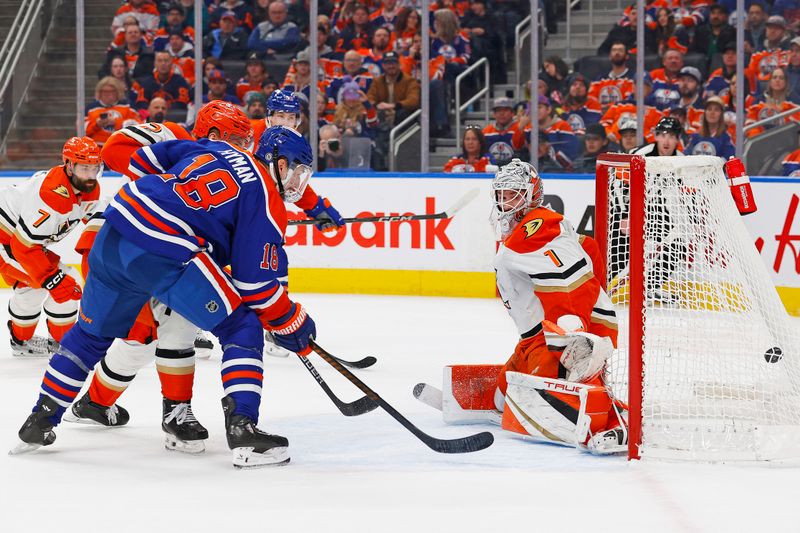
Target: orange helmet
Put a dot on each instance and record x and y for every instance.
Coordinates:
(225, 117)
(81, 151)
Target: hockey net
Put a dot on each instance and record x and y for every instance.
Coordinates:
(707, 357)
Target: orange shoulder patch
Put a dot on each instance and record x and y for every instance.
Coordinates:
(537, 229)
(56, 191)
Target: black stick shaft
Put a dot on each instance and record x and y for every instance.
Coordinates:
(359, 407)
(387, 218)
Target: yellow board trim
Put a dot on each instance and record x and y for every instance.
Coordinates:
(399, 282)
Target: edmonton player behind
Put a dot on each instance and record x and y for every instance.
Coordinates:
(33, 215)
(167, 236)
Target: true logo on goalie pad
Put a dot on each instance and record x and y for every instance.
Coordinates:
(212, 306)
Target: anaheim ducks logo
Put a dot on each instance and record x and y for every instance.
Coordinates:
(532, 227)
(61, 191)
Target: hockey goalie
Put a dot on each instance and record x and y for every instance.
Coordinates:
(548, 276)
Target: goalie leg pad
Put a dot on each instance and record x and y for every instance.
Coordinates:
(468, 393)
(555, 410)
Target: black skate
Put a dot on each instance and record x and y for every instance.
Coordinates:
(182, 431)
(252, 447)
(85, 411)
(37, 431)
(202, 345)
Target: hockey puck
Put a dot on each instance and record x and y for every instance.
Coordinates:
(773, 355)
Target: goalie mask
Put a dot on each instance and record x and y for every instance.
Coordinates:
(516, 190)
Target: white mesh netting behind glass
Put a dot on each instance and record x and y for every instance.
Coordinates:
(721, 378)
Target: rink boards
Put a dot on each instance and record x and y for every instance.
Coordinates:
(453, 257)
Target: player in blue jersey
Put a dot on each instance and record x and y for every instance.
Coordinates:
(166, 236)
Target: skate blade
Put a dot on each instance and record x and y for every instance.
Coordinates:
(275, 351)
(69, 416)
(246, 458)
(23, 447)
(192, 447)
(31, 355)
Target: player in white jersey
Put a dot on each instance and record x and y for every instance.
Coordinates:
(33, 215)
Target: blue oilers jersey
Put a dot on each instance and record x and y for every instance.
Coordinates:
(208, 196)
(721, 146)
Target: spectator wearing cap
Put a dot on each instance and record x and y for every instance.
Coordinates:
(229, 41)
(764, 61)
(386, 15)
(395, 96)
(218, 88)
(627, 129)
(503, 136)
(485, 39)
(109, 111)
(719, 81)
(578, 108)
(712, 137)
(775, 37)
(175, 21)
(618, 84)
(559, 134)
(144, 11)
(793, 71)
(773, 101)
(354, 33)
(298, 78)
(165, 82)
(254, 76)
(353, 68)
(689, 83)
(277, 35)
(664, 94)
(255, 106)
(136, 54)
(355, 116)
(595, 142)
(474, 156)
(712, 38)
(182, 54)
(243, 12)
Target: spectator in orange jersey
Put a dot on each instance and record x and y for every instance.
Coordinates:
(144, 11)
(137, 55)
(255, 76)
(791, 165)
(182, 54)
(109, 112)
(119, 38)
(773, 102)
(407, 26)
(474, 156)
(353, 68)
(617, 85)
(773, 54)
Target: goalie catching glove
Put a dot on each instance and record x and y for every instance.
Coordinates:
(327, 217)
(585, 356)
(294, 330)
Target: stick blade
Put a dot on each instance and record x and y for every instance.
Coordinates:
(367, 362)
(464, 200)
(359, 407)
(429, 395)
(473, 443)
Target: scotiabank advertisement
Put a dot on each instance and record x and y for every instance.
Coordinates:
(452, 257)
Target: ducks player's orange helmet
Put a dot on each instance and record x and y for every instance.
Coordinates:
(81, 151)
(227, 118)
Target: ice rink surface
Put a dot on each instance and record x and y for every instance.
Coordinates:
(364, 474)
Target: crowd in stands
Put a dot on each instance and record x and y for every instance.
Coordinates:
(369, 73)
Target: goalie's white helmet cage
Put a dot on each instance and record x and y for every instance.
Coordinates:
(708, 356)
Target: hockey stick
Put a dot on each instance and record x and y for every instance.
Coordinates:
(276, 351)
(359, 407)
(448, 213)
(472, 443)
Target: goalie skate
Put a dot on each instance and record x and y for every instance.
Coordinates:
(613, 441)
(251, 447)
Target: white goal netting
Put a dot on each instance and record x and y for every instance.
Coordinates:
(720, 355)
